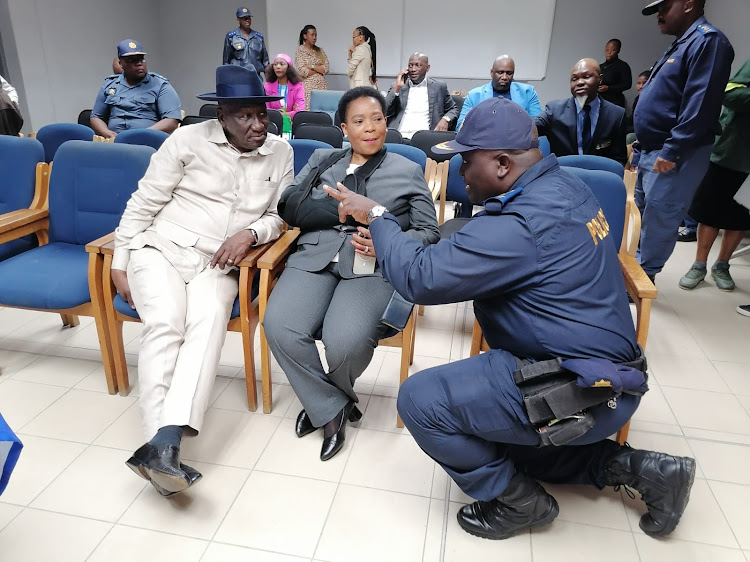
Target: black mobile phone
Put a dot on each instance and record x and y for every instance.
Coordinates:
(404, 77)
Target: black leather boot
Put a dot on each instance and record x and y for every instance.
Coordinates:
(524, 505)
(664, 482)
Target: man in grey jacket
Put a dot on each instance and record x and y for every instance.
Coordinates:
(417, 103)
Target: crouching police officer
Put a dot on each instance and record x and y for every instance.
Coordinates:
(564, 371)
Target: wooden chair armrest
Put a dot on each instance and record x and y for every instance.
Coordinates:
(280, 249)
(636, 280)
(251, 259)
(22, 217)
(97, 246)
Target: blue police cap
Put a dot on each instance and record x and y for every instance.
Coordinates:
(129, 47)
(494, 124)
(652, 8)
(244, 13)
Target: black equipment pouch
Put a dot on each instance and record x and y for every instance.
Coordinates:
(556, 405)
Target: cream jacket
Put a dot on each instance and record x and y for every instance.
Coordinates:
(198, 191)
(360, 66)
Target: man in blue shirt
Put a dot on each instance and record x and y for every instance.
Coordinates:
(502, 85)
(596, 126)
(244, 46)
(135, 99)
(544, 285)
(675, 122)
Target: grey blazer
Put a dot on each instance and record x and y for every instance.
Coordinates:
(397, 182)
(441, 104)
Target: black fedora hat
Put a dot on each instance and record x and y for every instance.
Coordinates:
(235, 83)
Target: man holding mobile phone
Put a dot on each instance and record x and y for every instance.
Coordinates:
(417, 103)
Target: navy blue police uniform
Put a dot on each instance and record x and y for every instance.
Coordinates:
(249, 52)
(676, 119)
(123, 106)
(545, 284)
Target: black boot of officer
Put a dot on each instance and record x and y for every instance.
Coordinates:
(524, 505)
(664, 482)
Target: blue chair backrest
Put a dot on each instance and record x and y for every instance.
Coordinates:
(410, 152)
(52, 136)
(90, 185)
(145, 137)
(18, 160)
(591, 162)
(456, 188)
(544, 146)
(609, 190)
(303, 149)
(326, 101)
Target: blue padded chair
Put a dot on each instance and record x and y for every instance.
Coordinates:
(544, 146)
(88, 191)
(54, 135)
(24, 180)
(303, 149)
(410, 152)
(144, 137)
(591, 162)
(326, 101)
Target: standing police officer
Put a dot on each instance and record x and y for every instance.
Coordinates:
(676, 120)
(135, 99)
(244, 46)
(545, 285)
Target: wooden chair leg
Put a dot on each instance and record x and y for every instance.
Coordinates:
(96, 288)
(248, 322)
(265, 352)
(420, 310)
(114, 331)
(622, 435)
(476, 339)
(407, 355)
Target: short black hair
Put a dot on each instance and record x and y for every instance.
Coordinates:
(645, 74)
(356, 93)
(616, 42)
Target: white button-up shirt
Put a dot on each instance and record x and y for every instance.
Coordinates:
(198, 191)
(417, 112)
(10, 90)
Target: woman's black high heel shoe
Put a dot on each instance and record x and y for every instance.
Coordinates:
(333, 444)
(303, 426)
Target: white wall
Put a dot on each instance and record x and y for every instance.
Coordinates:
(64, 50)
(58, 51)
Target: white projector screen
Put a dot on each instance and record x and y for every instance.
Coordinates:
(461, 37)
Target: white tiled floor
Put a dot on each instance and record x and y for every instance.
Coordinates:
(266, 497)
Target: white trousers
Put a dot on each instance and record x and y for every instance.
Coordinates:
(184, 328)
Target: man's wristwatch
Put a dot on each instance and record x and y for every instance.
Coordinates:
(255, 235)
(375, 212)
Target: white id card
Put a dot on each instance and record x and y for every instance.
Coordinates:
(363, 265)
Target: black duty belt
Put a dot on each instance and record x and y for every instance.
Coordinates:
(557, 406)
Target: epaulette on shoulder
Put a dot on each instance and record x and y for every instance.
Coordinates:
(232, 33)
(156, 75)
(705, 29)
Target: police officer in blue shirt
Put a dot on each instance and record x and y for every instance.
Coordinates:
(676, 121)
(544, 286)
(135, 99)
(245, 46)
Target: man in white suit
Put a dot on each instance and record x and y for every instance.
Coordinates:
(209, 194)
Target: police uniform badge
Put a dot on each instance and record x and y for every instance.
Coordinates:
(238, 44)
(132, 45)
(244, 10)
(111, 91)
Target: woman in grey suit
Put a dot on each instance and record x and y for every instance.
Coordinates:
(332, 288)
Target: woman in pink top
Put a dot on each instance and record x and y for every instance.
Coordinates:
(282, 80)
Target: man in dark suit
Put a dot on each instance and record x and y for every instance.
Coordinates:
(585, 123)
(417, 103)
